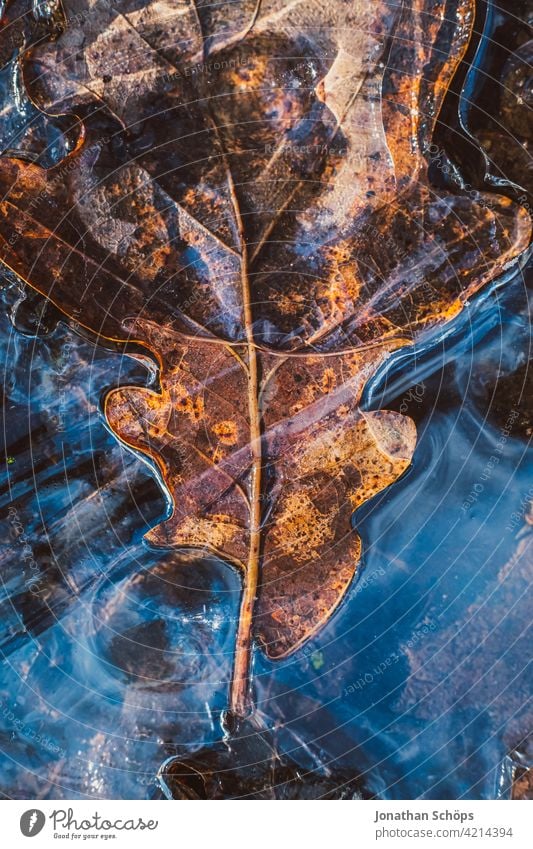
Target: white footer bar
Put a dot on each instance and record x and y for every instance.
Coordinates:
(250, 825)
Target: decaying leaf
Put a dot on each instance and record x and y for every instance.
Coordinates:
(321, 457)
(248, 199)
(217, 772)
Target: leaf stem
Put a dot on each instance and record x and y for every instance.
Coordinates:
(240, 701)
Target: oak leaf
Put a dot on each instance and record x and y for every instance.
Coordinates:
(249, 200)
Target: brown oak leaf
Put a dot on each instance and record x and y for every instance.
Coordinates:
(248, 198)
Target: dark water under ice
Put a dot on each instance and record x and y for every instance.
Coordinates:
(116, 657)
